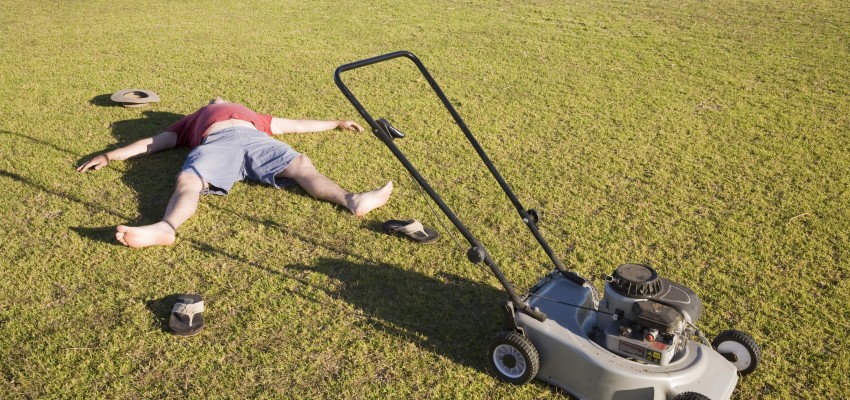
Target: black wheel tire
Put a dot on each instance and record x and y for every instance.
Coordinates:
(690, 396)
(747, 352)
(513, 358)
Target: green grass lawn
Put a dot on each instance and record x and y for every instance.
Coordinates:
(708, 139)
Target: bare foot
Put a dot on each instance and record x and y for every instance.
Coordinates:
(158, 234)
(361, 203)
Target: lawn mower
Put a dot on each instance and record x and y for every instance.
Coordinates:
(639, 341)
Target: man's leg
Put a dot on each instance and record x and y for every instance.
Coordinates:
(183, 204)
(302, 170)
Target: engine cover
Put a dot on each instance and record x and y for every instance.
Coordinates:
(649, 314)
(645, 317)
(639, 281)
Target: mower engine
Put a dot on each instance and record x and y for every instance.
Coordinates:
(644, 316)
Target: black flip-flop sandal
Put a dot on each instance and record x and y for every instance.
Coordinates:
(411, 229)
(187, 315)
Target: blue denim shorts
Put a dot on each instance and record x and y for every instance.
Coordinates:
(233, 154)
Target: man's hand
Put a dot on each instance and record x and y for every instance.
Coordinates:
(141, 147)
(96, 163)
(349, 126)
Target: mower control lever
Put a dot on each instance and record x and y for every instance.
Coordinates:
(389, 129)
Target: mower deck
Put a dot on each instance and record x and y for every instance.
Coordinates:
(573, 361)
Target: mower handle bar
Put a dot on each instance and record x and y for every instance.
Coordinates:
(477, 252)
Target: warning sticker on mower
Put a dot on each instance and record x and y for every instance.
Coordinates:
(653, 357)
(640, 352)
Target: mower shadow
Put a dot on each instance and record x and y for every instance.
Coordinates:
(448, 315)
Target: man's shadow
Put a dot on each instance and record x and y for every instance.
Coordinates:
(151, 177)
(448, 314)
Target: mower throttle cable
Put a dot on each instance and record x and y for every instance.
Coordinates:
(443, 225)
(574, 305)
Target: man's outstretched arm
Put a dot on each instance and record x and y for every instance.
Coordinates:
(163, 141)
(282, 125)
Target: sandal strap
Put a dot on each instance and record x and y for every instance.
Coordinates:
(189, 310)
(413, 226)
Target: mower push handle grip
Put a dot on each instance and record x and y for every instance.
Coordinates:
(374, 60)
(375, 125)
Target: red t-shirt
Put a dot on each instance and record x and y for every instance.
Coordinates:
(191, 128)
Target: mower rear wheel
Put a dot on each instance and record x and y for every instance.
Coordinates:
(739, 348)
(513, 358)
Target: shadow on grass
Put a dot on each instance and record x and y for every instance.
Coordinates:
(448, 315)
(104, 100)
(451, 316)
(104, 234)
(153, 177)
(375, 226)
(290, 187)
(161, 310)
(61, 193)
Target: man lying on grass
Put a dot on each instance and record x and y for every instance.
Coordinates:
(230, 143)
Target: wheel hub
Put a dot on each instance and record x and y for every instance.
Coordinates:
(732, 357)
(509, 361)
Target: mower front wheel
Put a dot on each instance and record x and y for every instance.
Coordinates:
(739, 348)
(513, 358)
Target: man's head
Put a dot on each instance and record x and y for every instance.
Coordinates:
(218, 100)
